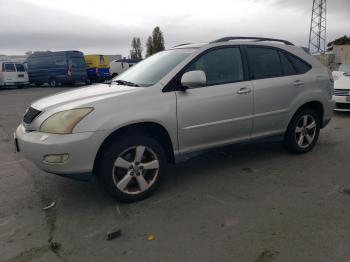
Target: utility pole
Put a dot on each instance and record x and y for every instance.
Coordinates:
(317, 36)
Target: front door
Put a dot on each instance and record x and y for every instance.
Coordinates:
(221, 111)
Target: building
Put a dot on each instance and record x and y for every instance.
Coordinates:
(342, 52)
(13, 58)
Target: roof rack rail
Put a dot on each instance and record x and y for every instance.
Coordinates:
(182, 44)
(258, 39)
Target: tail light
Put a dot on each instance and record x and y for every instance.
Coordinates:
(69, 72)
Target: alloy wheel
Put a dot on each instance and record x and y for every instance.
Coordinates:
(135, 169)
(305, 131)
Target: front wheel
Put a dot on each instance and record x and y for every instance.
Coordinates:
(303, 131)
(131, 167)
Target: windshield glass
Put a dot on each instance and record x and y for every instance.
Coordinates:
(345, 67)
(151, 70)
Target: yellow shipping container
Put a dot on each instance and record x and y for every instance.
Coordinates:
(97, 61)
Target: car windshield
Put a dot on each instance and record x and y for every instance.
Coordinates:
(345, 67)
(151, 70)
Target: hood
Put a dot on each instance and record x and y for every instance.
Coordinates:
(83, 95)
(341, 80)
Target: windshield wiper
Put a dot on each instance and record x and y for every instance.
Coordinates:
(123, 82)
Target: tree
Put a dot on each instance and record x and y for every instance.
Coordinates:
(158, 40)
(136, 51)
(149, 47)
(155, 43)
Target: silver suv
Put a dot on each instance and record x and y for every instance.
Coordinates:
(183, 100)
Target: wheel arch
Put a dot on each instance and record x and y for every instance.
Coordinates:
(155, 130)
(315, 105)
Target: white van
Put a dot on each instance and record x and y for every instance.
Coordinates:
(119, 66)
(13, 74)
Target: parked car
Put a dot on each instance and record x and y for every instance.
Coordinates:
(121, 65)
(97, 68)
(13, 74)
(342, 87)
(175, 104)
(54, 68)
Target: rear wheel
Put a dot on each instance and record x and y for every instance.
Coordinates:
(52, 82)
(131, 167)
(303, 131)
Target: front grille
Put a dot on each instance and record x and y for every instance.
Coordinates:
(342, 92)
(30, 115)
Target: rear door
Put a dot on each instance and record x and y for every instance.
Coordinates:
(10, 73)
(21, 73)
(275, 85)
(220, 112)
(77, 68)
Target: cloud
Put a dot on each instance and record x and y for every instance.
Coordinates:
(92, 28)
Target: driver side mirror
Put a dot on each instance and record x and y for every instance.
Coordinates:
(193, 79)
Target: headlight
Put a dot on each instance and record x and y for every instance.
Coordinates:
(64, 122)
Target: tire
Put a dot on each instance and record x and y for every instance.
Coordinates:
(127, 176)
(37, 84)
(52, 82)
(303, 131)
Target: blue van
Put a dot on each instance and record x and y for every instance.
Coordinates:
(54, 68)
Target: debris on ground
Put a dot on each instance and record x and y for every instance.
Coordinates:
(54, 246)
(151, 237)
(114, 233)
(267, 256)
(346, 191)
(53, 203)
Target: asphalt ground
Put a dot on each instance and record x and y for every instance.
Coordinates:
(242, 203)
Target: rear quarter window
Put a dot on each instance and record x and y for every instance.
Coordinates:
(300, 66)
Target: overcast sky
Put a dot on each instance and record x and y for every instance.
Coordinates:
(107, 26)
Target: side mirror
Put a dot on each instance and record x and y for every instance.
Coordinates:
(193, 79)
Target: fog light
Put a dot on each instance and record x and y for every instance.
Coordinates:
(56, 159)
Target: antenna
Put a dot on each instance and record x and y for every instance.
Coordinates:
(317, 36)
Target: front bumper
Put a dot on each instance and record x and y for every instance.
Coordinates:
(342, 103)
(81, 148)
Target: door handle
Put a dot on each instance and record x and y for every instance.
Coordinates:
(244, 90)
(298, 83)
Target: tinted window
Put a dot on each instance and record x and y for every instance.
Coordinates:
(10, 68)
(287, 67)
(20, 68)
(220, 66)
(77, 62)
(264, 62)
(299, 65)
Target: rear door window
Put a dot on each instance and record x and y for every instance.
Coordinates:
(20, 68)
(10, 68)
(264, 62)
(220, 66)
